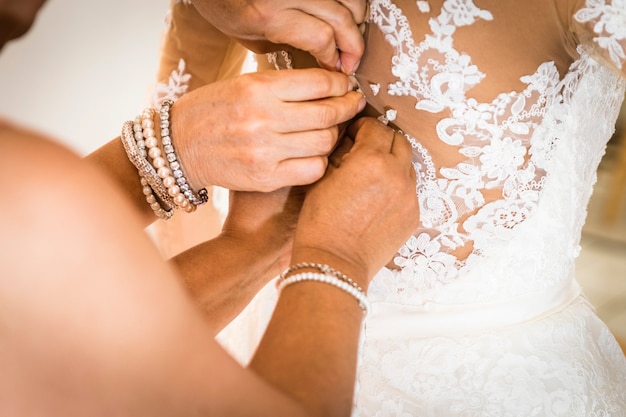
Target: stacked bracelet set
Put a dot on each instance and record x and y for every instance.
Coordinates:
(325, 275)
(161, 175)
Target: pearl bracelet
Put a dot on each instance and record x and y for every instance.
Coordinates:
(160, 164)
(150, 181)
(326, 279)
(159, 169)
(324, 269)
(159, 211)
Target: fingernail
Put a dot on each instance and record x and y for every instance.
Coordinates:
(354, 83)
(354, 68)
(339, 65)
(362, 103)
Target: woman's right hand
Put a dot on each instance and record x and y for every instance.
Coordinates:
(364, 208)
(262, 131)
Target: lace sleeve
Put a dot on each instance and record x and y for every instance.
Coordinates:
(601, 28)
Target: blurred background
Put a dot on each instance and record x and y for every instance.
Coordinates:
(100, 58)
(601, 267)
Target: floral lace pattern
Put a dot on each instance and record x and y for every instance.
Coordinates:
(539, 149)
(536, 149)
(609, 26)
(176, 86)
(496, 138)
(516, 372)
(507, 144)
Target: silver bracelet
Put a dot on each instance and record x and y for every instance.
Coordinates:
(170, 154)
(324, 269)
(160, 163)
(326, 279)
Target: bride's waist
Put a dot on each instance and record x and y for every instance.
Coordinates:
(432, 319)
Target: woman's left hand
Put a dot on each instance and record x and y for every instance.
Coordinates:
(266, 221)
(260, 25)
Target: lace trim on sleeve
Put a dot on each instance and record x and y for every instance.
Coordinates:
(604, 30)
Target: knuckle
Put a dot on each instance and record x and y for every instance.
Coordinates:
(257, 158)
(247, 86)
(326, 140)
(326, 114)
(322, 41)
(250, 135)
(321, 80)
(261, 173)
(253, 84)
(344, 16)
(315, 170)
(261, 181)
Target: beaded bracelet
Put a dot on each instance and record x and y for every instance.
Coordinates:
(327, 279)
(160, 164)
(154, 204)
(160, 171)
(155, 182)
(324, 269)
(149, 179)
(196, 199)
(138, 132)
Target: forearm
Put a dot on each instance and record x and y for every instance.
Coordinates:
(321, 323)
(112, 160)
(223, 285)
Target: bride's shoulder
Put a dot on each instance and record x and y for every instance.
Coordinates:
(600, 28)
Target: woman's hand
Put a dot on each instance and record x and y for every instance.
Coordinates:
(262, 131)
(364, 208)
(265, 222)
(254, 247)
(261, 25)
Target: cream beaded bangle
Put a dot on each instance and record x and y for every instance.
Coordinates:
(145, 169)
(324, 269)
(138, 132)
(326, 279)
(159, 211)
(170, 154)
(160, 163)
(150, 181)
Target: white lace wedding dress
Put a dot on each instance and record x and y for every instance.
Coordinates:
(509, 106)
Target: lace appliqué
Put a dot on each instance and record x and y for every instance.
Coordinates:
(423, 6)
(515, 372)
(176, 86)
(609, 24)
(506, 143)
(280, 60)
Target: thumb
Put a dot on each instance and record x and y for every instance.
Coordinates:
(370, 133)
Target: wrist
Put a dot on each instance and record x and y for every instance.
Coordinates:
(181, 129)
(264, 256)
(349, 266)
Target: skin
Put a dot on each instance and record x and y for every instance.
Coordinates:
(16, 17)
(266, 25)
(281, 135)
(102, 309)
(94, 322)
